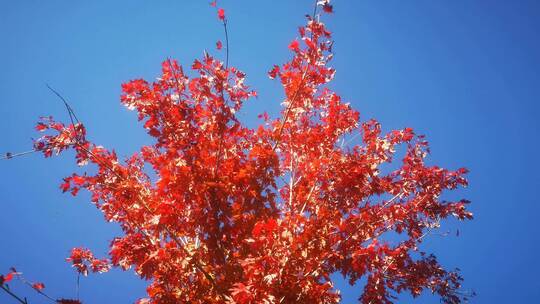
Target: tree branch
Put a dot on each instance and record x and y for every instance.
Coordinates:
(9, 292)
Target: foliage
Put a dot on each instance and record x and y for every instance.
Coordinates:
(265, 215)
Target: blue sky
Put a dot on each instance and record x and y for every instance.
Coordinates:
(465, 73)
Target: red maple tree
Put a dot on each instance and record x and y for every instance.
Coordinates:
(265, 215)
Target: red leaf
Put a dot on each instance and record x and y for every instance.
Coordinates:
(221, 14)
(38, 286)
(271, 225)
(327, 8)
(213, 3)
(65, 186)
(408, 134)
(41, 127)
(219, 45)
(273, 73)
(8, 277)
(197, 65)
(294, 45)
(78, 180)
(257, 229)
(241, 293)
(74, 191)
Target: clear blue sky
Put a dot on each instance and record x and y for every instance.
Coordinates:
(465, 73)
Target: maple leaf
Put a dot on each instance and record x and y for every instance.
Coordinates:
(78, 180)
(8, 277)
(221, 14)
(327, 8)
(197, 65)
(219, 45)
(294, 45)
(274, 72)
(241, 293)
(41, 127)
(38, 286)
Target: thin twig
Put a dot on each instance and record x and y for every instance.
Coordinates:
(226, 44)
(220, 146)
(289, 108)
(9, 292)
(308, 197)
(78, 284)
(22, 279)
(296, 93)
(9, 155)
(72, 115)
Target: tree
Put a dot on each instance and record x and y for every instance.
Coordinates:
(215, 212)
